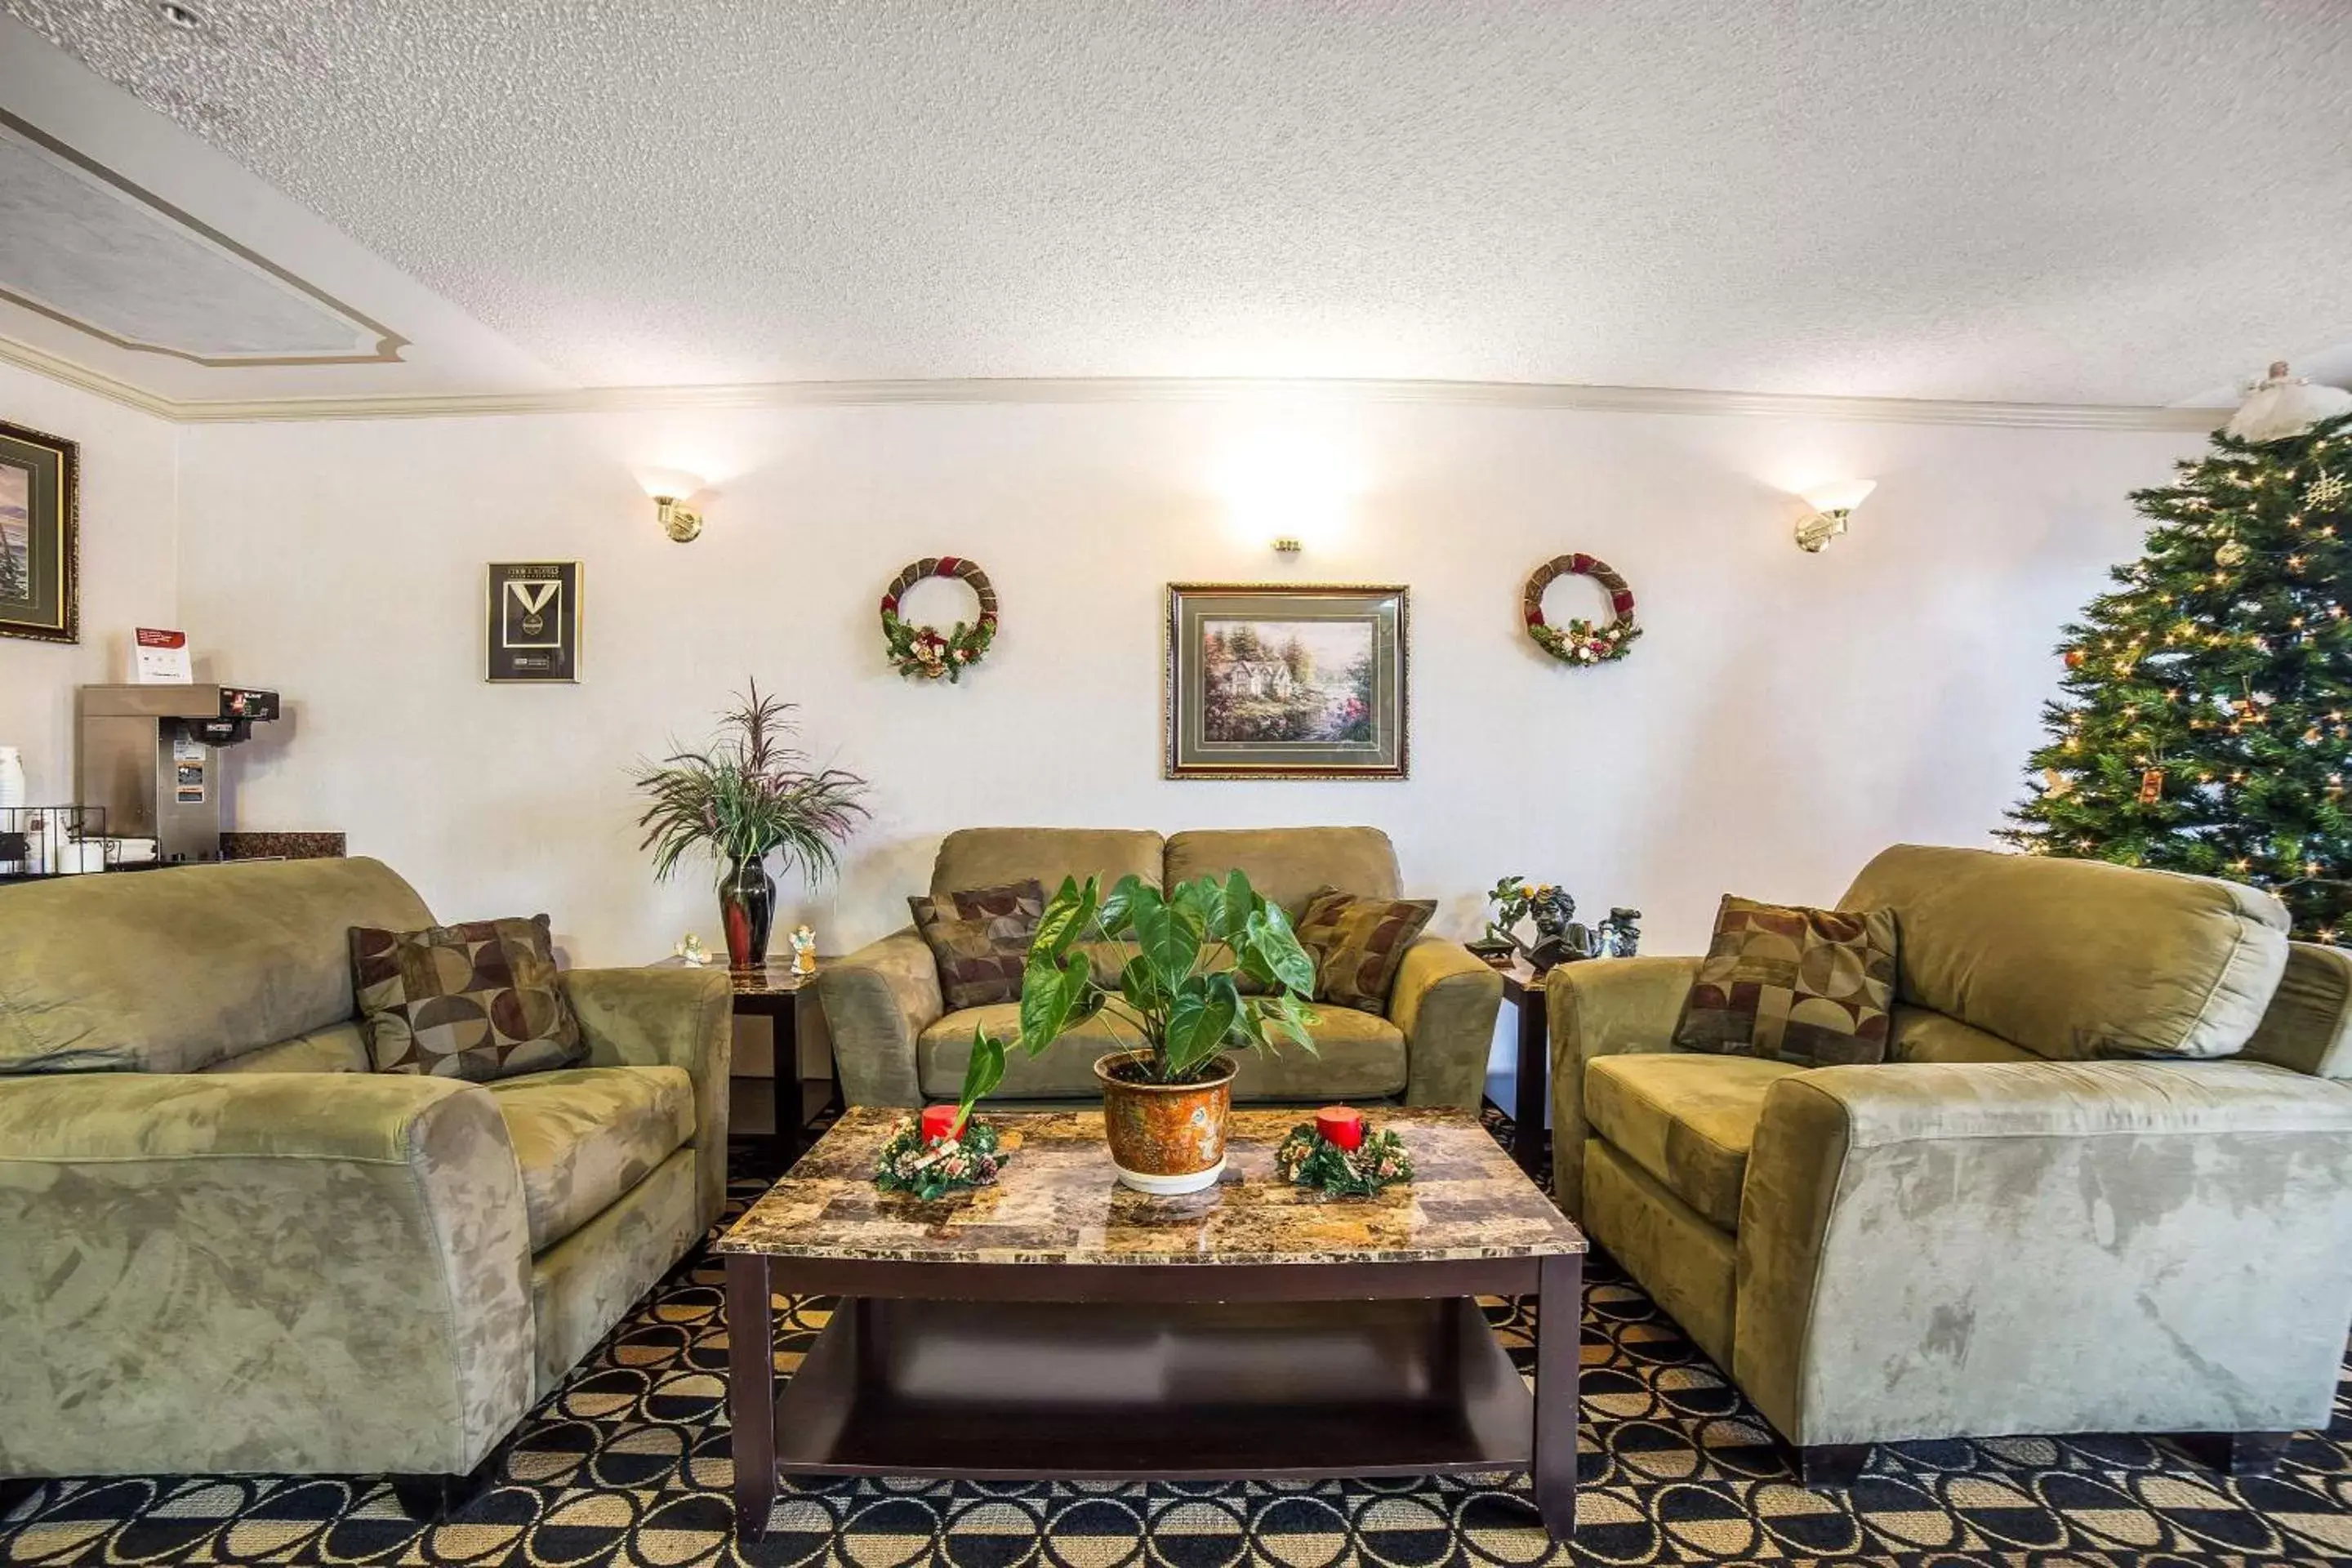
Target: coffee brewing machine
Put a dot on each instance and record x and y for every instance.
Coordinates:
(150, 756)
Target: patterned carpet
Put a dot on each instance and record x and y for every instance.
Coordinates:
(627, 1464)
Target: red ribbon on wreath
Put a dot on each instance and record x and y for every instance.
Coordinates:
(1582, 641)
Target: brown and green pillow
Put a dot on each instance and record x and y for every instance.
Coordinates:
(1793, 985)
(478, 1001)
(1357, 944)
(980, 940)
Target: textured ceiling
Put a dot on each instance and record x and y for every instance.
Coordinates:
(2099, 201)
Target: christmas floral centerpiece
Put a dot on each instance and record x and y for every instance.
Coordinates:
(946, 1149)
(1342, 1156)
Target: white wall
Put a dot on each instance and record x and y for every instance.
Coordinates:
(1785, 715)
(130, 565)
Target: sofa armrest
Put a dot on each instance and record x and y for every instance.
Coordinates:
(877, 1002)
(1598, 1007)
(1445, 1000)
(305, 1272)
(668, 1017)
(1934, 1249)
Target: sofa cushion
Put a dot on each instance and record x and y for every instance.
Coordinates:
(2308, 1025)
(1921, 1036)
(584, 1136)
(339, 1048)
(1358, 942)
(2078, 957)
(979, 938)
(987, 857)
(171, 971)
(1687, 1120)
(480, 1000)
(1809, 986)
(1289, 865)
(1362, 1057)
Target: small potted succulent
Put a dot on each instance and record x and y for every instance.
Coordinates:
(1179, 999)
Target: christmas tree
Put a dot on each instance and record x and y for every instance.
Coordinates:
(2203, 725)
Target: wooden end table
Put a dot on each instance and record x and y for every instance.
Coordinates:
(772, 991)
(1529, 1116)
(1059, 1326)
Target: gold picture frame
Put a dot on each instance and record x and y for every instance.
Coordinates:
(40, 535)
(531, 623)
(1288, 680)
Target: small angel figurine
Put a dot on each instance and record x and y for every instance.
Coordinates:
(1620, 933)
(691, 948)
(803, 942)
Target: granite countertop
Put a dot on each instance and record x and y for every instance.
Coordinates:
(1058, 1202)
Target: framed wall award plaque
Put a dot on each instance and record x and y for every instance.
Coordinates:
(534, 621)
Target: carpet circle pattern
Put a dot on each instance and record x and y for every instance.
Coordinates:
(627, 1464)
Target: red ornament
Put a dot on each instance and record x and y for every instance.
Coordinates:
(1341, 1126)
(2074, 659)
(941, 1123)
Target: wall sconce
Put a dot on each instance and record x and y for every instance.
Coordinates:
(670, 488)
(1831, 505)
(1286, 545)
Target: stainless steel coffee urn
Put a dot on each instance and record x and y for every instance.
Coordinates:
(150, 755)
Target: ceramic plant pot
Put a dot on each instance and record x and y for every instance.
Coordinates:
(746, 910)
(1166, 1138)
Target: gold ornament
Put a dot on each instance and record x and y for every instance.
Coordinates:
(2055, 784)
(2151, 786)
(2327, 490)
(2232, 551)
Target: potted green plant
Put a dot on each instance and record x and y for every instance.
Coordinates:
(749, 795)
(1179, 999)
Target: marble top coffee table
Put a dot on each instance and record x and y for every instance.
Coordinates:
(1060, 1325)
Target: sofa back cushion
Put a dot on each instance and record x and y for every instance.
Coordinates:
(2078, 959)
(173, 971)
(1290, 866)
(2309, 1025)
(992, 857)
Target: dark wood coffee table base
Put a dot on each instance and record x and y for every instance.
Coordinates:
(1129, 1373)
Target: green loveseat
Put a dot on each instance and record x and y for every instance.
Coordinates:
(227, 1245)
(2102, 1184)
(895, 1043)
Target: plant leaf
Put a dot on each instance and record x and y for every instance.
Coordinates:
(1126, 894)
(983, 1073)
(1137, 984)
(1288, 1016)
(1269, 936)
(1197, 1023)
(1239, 902)
(1171, 943)
(1046, 999)
(1068, 914)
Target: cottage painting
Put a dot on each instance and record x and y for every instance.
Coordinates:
(15, 534)
(1288, 680)
(1269, 681)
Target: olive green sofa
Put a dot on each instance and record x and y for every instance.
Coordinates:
(227, 1245)
(895, 1043)
(2102, 1182)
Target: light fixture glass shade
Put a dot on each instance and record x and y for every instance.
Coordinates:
(673, 484)
(1843, 496)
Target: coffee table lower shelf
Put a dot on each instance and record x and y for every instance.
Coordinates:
(1174, 1390)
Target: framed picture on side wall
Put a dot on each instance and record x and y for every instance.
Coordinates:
(40, 536)
(533, 631)
(1286, 681)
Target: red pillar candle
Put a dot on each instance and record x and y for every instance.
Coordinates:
(939, 1123)
(1340, 1125)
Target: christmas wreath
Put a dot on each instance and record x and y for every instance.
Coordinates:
(1582, 641)
(926, 651)
(1309, 1159)
(929, 1168)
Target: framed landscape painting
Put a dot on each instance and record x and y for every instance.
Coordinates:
(1286, 681)
(40, 536)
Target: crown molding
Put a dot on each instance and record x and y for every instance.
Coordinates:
(1077, 390)
(41, 363)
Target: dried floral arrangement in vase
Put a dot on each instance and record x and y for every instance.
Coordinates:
(749, 795)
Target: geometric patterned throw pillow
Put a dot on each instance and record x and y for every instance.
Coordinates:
(980, 940)
(1357, 944)
(1809, 986)
(478, 1001)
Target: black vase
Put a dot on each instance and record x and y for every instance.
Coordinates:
(746, 910)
